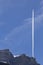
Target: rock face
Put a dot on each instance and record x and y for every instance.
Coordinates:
(6, 58)
(25, 60)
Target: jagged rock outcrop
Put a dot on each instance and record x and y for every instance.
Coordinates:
(6, 58)
(25, 60)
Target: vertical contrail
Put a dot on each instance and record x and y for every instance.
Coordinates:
(33, 33)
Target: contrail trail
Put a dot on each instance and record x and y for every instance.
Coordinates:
(33, 33)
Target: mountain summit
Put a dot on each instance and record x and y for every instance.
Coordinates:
(25, 60)
(7, 58)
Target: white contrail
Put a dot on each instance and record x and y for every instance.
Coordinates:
(33, 33)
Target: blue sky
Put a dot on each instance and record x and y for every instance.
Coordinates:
(16, 29)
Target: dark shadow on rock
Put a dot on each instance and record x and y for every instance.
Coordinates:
(1, 63)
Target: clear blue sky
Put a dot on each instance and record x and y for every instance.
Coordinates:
(15, 26)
